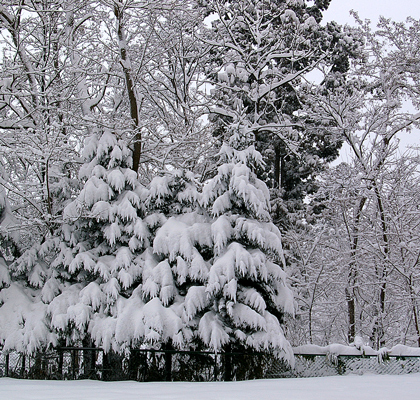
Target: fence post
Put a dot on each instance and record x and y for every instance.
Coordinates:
(7, 366)
(106, 367)
(60, 362)
(23, 365)
(168, 362)
(74, 359)
(215, 367)
(228, 363)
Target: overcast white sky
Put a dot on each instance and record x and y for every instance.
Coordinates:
(397, 10)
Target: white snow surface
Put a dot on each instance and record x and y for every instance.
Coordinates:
(353, 387)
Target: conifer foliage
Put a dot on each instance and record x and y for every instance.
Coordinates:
(8, 247)
(78, 276)
(102, 236)
(167, 264)
(246, 285)
(22, 317)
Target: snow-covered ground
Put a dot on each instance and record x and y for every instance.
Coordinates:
(369, 387)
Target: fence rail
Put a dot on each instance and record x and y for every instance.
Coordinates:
(71, 363)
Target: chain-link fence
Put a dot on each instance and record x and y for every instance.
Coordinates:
(329, 365)
(172, 365)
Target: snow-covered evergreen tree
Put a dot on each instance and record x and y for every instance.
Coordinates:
(246, 290)
(81, 276)
(214, 278)
(8, 247)
(175, 271)
(23, 324)
(263, 51)
(103, 235)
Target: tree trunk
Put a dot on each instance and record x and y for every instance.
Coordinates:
(89, 359)
(352, 274)
(127, 69)
(277, 166)
(381, 273)
(351, 334)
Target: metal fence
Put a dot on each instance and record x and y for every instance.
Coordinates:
(141, 365)
(171, 365)
(307, 366)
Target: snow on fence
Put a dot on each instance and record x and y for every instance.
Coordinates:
(337, 359)
(172, 365)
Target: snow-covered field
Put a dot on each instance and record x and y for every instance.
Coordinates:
(369, 387)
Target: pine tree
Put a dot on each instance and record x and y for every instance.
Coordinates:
(214, 279)
(263, 51)
(247, 293)
(103, 235)
(173, 265)
(82, 275)
(23, 323)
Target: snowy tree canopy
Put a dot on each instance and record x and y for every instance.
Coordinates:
(164, 180)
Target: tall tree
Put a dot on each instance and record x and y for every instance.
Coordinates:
(247, 284)
(265, 50)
